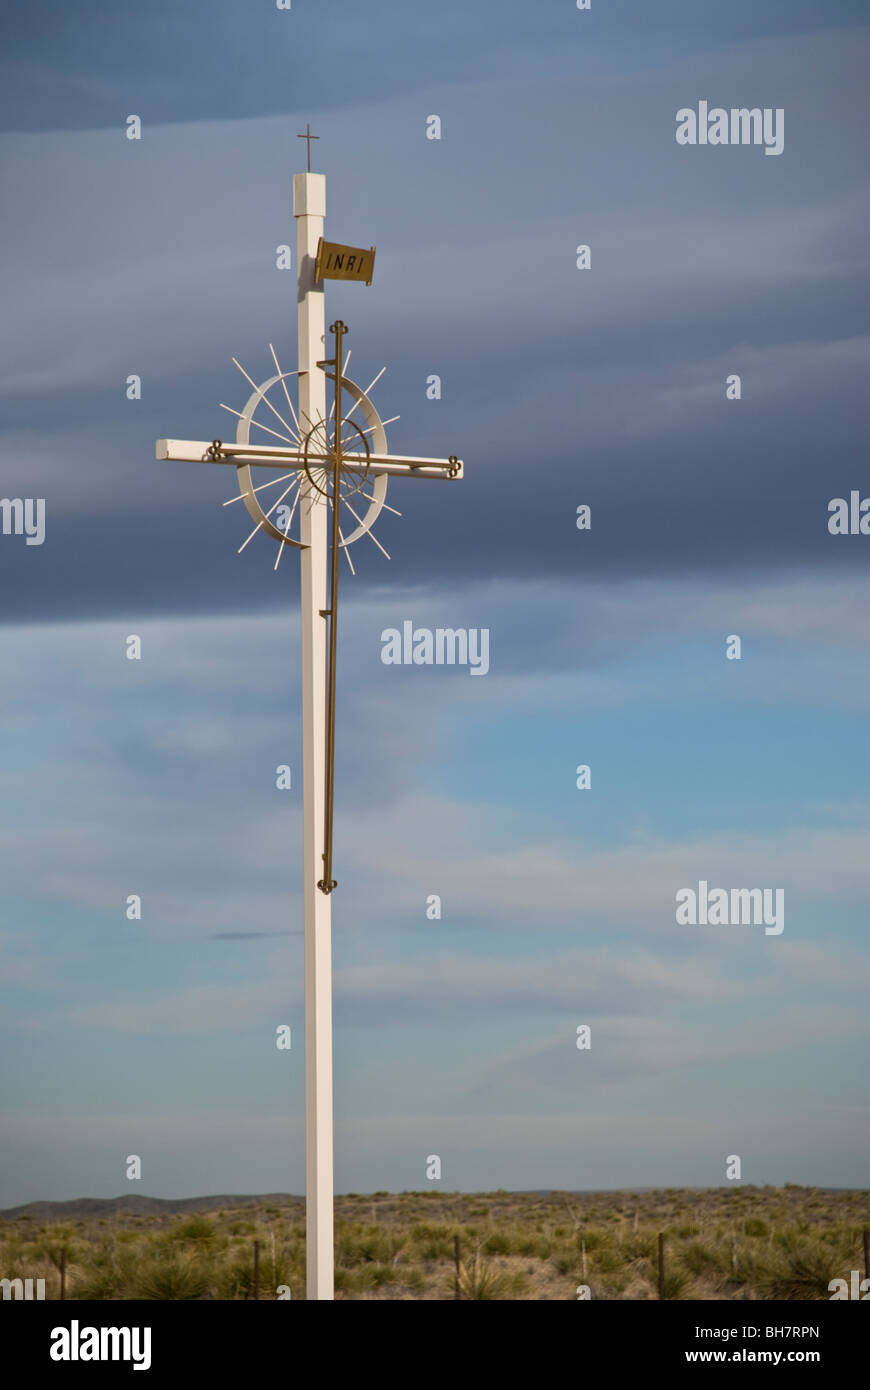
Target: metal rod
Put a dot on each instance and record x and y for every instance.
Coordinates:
(327, 883)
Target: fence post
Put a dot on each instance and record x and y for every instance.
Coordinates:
(456, 1263)
(63, 1270)
(583, 1258)
(866, 1253)
(661, 1266)
(256, 1269)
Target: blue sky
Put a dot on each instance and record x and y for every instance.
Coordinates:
(560, 387)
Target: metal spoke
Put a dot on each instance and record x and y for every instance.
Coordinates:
(370, 534)
(385, 505)
(285, 437)
(372, 383)
(265, 518)
(392, 420)
(316, 490)
(282, 547)
(345, 548)
(271, 483)
(264, 399)
(313, 424)
(286, 392)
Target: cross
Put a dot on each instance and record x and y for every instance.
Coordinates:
(334, 462)
(309, 137)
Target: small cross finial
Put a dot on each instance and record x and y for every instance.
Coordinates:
(309, 137)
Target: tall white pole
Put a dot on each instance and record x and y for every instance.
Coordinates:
(309, 209)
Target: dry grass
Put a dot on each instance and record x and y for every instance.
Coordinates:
(721, 1243)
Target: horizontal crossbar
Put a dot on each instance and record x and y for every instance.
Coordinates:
(266, 456)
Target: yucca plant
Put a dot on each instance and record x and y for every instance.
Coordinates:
(478, 1278)
(173, 1278)
(675, 1284)
(800, 1269)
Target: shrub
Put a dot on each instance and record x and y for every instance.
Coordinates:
(366, 1245)
(166, 1278)
(432, 1242)
(800, 1269)
(193, 1228)
(755, 1227)
(499, 1243)
(479, 1279)
(638, 1247)
(675, 1283)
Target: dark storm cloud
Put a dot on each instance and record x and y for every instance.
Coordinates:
(69, 66)
(559, 386)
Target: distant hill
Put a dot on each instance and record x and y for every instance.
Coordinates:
(82, 1207)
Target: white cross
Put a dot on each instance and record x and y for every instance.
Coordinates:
(309, 209)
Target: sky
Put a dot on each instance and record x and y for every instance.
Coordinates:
(560, 387)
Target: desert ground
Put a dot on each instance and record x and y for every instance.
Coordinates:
(737, 1242)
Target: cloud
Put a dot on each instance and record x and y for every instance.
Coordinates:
(604, 386)
(559, 387)
(163, 771)
(189, 1153)
(626, 1050)
(199, 1009)
(250, 935)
